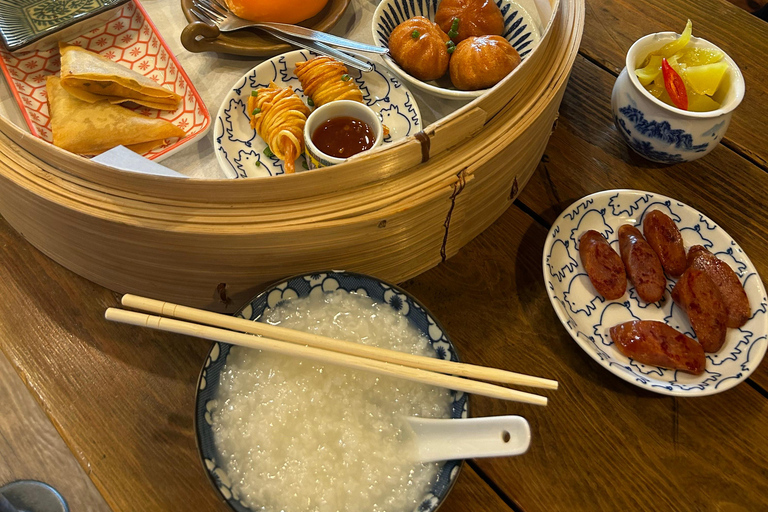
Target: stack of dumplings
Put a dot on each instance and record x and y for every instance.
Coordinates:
(465, 39)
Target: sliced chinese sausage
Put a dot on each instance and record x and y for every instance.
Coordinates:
(698, 296)
(656, 343)
(665, 239)
(603, 265)
(642, 264)
(737, 307)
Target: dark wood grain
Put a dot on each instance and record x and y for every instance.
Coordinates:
(121, 397)
(602, 444)
(31, 449)
(611, 27)
(586, 154)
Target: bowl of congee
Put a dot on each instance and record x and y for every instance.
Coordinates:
(285, 434)
(674, 100)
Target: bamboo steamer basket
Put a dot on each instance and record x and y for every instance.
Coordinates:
(393, 213)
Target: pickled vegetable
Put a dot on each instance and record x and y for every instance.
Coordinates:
(684, 76)
(705, 79)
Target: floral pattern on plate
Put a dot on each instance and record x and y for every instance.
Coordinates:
(131, 39)
(241, 152)
(588, 316)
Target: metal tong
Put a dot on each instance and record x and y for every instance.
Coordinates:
(215, 12)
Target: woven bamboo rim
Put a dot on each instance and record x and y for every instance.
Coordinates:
(385, 213)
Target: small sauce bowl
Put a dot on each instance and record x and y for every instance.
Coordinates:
(342, 108)
(663, 133)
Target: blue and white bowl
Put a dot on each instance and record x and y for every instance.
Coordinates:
(302, 286)
(520, 29)
(663, 133)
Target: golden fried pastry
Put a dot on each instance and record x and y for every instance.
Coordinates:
(93, 128)
(278, 115)
(475, 18)
(419, 47)
(481, 62)
(90, 77)
(325, 80)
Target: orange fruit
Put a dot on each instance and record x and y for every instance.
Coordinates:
(279, 11)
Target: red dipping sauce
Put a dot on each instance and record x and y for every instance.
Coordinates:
(342, 137)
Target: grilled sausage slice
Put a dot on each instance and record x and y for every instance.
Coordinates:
(642, 264)
(665, 239)
(735, 298)
(699, 297)
(657, 344)
(603, 265)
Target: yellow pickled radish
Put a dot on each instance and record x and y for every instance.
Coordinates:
(701, 103)
(657, 88)
(700, 56)
(678, 44)
(705, 79)
(649, 73)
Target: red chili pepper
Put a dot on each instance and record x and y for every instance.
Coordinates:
(674, 85)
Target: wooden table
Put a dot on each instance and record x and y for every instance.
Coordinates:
(122, 398)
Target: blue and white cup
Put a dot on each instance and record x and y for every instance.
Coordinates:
(342, 108)
(663, 133)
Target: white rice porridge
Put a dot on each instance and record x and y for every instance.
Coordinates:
(298, 436)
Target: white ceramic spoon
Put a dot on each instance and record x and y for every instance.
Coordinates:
(451, 439)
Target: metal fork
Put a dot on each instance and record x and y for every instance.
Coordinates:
(213, 12)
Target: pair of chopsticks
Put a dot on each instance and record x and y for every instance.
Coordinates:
(239, 331)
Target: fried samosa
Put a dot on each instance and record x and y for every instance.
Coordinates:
(90, 77)
(92, 128)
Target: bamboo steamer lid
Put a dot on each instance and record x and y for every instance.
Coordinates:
(394, 212)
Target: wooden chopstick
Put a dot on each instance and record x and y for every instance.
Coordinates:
(345, 347)
(321, 355)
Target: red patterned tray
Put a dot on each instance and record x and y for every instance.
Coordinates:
(131, 39)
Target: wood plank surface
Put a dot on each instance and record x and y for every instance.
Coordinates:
(587, 154)
(122, 397)
(602, 444)
(31, 448)
(612, 26)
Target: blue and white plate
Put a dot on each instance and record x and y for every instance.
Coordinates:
(520, 29)
(588, 316)
(303, 286)
(240, 151)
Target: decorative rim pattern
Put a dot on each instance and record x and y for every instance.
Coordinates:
(587, 316)
(241, 152)
(129, 38)
(519, 29)
(302, 286)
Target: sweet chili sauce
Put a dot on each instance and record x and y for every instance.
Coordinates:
(342, 137)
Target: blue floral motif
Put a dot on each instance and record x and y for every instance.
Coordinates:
(661, 131)
(303, 286)
(398, 301)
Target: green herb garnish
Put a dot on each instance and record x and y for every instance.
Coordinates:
(345, 78)
(454, 31)
(415, 34)
(310, 102)
(451, 46)
(258, 163)
(255, 111)
(255, 93)
(268, 152)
